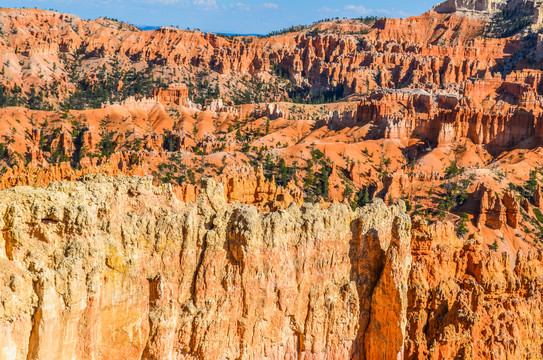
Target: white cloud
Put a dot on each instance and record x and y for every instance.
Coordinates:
(359, 9)
(248, 7)
(326, 9)
(270, 5)
(396, 12)
(207, 4)
(241, 6)
(166, 2)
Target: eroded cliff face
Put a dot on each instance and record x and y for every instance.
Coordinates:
(467, 302)
(474, 8)
(429, 50)
(118, 268)
(495, 113)
(109, 268)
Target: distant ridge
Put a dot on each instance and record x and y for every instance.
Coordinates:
(148, 27)
(231, 34)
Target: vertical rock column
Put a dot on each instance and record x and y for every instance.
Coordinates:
(384, 337)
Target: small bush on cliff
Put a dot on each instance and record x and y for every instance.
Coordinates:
(3, 151)
(368, 20)
(307, 95)
(78, 131)
(347, 192)
(528, 189)
(531, 184)
(317, 173)
(495, 245)
(106, 144)
(408, 205)
(462, 228)
(169, 141)
(538, 215)
(456, 194)
(58, 156)
(362, 198)
(452, 170)
(281, 172)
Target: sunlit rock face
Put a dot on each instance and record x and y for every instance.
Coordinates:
(476, 8)
(118, 268)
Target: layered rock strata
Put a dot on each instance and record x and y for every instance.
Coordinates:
(442, 118)
(431, 50)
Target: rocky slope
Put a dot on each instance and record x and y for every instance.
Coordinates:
(410, 144)
(116, 267)
(49, 56)
(471, 303)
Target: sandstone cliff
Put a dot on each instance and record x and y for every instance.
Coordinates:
(64, 53)
(475, 8)
(442, 116)
(467, 302)
(117, 268)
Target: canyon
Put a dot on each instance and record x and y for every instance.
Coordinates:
(367, 188)
(118, 268)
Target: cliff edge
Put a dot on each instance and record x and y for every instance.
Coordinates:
(109, 268)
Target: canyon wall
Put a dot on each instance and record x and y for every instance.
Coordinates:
(510, 113)
(118, 268)
(468, 302)
(109, 268)
(430, 50)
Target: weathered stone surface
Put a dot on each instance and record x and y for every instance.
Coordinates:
(118, 268)
(495, 211)
(176, 94)
(107, 268)
(471, 303)
(395, 53)
(476, 8)
(442, 118)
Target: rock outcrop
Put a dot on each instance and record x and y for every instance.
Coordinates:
(251, 188)
(497, 211)
(475, 8)
(117, 268)
(271, 111)
(471, 303)
(490, 9)
(442, 118)
(177, 94)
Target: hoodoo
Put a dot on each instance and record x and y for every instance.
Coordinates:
(359, 188)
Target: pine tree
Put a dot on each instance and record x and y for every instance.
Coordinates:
(495, 245)
(462, 225)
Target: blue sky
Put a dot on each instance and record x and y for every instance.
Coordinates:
(227, 16)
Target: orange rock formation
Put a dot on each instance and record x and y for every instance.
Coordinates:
(433, 111)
